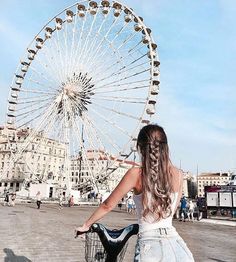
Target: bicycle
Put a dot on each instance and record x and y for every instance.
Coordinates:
(105, 245)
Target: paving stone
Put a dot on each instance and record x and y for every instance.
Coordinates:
(28, 234)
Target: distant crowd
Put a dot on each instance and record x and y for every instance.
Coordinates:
(9, 199)
(188, 210)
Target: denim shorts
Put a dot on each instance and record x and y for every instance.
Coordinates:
(161, 245)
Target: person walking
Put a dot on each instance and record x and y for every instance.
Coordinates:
(191, 210)
(71, 201)
(13, 199)
(120, 204)
(7, 199)
(60, 201)
(157, 187)
(130, 204)
(183, 208)
(38, 199)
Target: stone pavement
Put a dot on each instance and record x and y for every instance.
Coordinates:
(220, 222)
(28, 234)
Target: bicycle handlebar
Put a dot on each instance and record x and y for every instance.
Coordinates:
(113, 240)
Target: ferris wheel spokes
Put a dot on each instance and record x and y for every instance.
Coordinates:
(89, 82)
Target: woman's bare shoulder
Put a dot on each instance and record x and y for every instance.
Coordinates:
(135, 171)
(131, 177)
(137, 179)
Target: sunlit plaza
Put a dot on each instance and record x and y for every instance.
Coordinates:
(29, 234)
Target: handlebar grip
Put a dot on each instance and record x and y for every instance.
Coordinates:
(79, 233)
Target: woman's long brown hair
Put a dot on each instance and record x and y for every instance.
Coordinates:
(156, 175)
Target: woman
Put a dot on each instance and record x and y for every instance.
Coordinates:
(130, 205)
(6, 200)
(157, 189)
(191, 210)
(71, 201)
(38, 199)
(13, 198)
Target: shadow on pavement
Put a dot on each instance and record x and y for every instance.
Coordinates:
(11, 257)
(215, 259)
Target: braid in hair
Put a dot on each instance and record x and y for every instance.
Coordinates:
(156, 178)
(154, 155)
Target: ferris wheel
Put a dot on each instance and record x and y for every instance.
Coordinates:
(89, 80)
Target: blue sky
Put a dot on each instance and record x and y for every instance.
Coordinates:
(197, 49)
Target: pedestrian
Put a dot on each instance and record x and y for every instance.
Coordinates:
(92, 195)
(157, 187)
(191, 210)
(7, 199)
(100, 199)
(89, 196)
(199, 208)
(60, 201)
(13, 198)
(183, 208)
(120, 204)
(71, 201)
(130, 204)
(38, 199)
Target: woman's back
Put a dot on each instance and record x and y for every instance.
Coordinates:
(157, 187)
(150, 221)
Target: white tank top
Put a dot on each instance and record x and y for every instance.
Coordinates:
(163, 223)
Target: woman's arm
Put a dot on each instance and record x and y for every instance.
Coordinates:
(128, 182)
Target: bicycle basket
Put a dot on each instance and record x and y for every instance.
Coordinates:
(95, 252)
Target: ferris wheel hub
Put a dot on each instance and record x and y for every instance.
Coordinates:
(75, 95)
(69, 89)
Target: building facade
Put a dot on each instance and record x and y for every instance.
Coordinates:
(211, 179)
(99, 165)
(40, 160)
(189, 185)
(43, 160)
